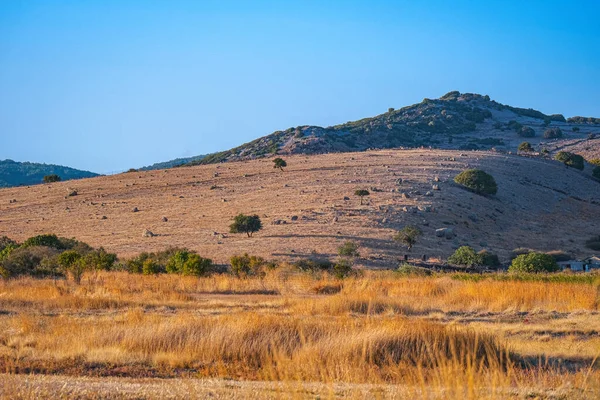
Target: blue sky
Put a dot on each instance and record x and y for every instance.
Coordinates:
(110, 85)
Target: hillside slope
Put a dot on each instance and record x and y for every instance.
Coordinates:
(13, 173)
(454, 121)
(540, 204)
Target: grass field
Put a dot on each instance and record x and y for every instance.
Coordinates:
(292, 334)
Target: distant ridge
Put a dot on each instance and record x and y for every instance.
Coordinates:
(465, 121)
(13, 173)
(172, 163)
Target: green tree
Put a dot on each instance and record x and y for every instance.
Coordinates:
(570, 159)
(51, 178)
(478, 181)
(361, 193)
(534, 262)
(247, 224)
(279, 163)
(465, 256)
(408, 236)
(525, 147)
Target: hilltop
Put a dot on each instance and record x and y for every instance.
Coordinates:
(13, 173)
(310, 209)
(463, 121)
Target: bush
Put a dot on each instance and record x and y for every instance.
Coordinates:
(99, 260)
(465, 256)
(408, 235)
(526, 131)
(514, 125)
(525, 147)
(246, 265)
(596, 172)
(488, 259)
(342, 268)
(411, 270)
(349, 249)
(151, 267)
(51, 178)
(313, 265)
(46, 240)
(247, 224)
(534, 262)
(575, 129)
(570, 159)
(188, 263)
(477, 181)
(553, 133)
(6, 242)
(33, 260)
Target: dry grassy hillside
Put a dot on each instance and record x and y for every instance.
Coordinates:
(540, 204)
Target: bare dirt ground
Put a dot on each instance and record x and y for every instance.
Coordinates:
(310, 208)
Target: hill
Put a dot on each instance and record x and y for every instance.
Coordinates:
(172, 163)
(464, 121)
(14, 173)
(310, 209)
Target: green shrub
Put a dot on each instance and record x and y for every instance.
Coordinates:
(349, 249)
(47, 240)
(534, 262)
(245, 265)
(51, 178)
(525, 147)
(342, 268)
(575, 129)
(99, 260)
(488, 259)
(411, 270)
(6, 241)
(151, 267)
(408, 236)
(32, 260)
(553, 133)
(596, 172)
(477, 181)
(247, 224)
(198, 266)
(526, 131)
(136, 265)
(570, 159)
(514, 125)
(465, 256)
(313, 265)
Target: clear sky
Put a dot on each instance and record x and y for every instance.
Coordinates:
(109, 85)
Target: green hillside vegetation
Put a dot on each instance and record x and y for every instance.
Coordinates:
(14, 173)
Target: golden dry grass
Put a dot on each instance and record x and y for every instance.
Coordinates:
(435, 337)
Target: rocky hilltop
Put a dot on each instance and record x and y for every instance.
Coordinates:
(463, 121)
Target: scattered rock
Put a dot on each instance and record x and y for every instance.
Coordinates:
(72, 193)
(135, 209)
(435, 187)
(428, 193)
(165, 219)
(405, 196)
(448, 233)
(399, 181)
(148, 233)
(473, 217)
(436, 179)
(294, 218)
(104, 217)
(346, 198)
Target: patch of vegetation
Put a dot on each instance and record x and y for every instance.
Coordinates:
(411, 270)
(349, 249)
(186, 262)
(596, 172)
(465, 256)
(583, 120)
(279, 163)
(534, 263)
(408, 236)
(242, 266)
(526, 131)
(14, 173)
(570, 159)
(51, 178)
(361, 193)
(553, 133)
(478, 181)
(247, 224)
(525, 147)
